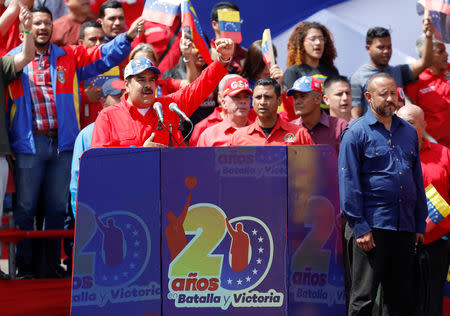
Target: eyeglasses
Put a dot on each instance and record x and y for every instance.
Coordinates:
(313, 39)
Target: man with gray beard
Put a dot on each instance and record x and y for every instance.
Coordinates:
(383, 200)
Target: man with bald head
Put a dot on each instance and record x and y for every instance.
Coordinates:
(435, 161)
(383, 199)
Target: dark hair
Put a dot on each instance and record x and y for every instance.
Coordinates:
(333, 79)
(42, 9)
(87, 24)
(254, 63)
(296, 48)
(220, 6)
(269, 82)
(110, 4)
(376, 32)
(376, 76)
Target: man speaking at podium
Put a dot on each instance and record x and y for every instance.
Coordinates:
(136, 120)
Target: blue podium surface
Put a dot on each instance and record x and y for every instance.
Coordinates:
(205, 231)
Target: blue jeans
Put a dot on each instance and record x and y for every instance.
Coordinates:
(47, 170)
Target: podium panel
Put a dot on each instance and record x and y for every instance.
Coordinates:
(223, 238)
(208, 231)
(316, 274)
(117, 237)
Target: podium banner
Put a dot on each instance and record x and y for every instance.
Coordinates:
(117, 238)
(223, 239)
(316, 274)
(206, 231)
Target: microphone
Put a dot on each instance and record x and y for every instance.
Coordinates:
(174, 108)
(157, 106)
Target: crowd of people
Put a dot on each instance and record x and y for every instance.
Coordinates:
(96, 74)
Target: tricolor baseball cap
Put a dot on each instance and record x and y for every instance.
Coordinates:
(113, 86)
(305, 84)
(234, 85)
(138, 65)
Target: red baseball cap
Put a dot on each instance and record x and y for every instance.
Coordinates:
(235, 85)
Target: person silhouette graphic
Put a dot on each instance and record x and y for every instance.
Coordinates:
(240, 244)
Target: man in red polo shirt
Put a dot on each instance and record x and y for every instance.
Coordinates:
(235, 102)
(432, 92)
(214, 118)
(435, 162)
(134, 122)
(269, 128)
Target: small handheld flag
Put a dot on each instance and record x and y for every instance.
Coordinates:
(439, 12)
(267, 48)
(230, 25)
(191, 24)
(161, 11)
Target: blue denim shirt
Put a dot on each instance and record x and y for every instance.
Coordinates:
(380, 177)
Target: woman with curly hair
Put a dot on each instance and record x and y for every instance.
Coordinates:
(311, 52)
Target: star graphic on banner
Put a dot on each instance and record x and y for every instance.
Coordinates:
(229, 281)
(125, 274)
(239, 282)
(105, 277)
(254, 232)
(260, 249)
(135, 233)
(128, 226)
(135, 255)
(255, 271)
(248, 279)
(260, 239)
(132, 266)
(137, 243)
(258, 261)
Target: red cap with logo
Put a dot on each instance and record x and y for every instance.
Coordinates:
(235, 85)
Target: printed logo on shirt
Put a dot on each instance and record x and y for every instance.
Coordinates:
(447, 75)
(289, 138)
(60, 74)
(426, 90)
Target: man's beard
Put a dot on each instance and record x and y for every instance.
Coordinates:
(382, 111)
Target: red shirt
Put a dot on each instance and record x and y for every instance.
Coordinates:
(11, 38)
(283, 133)
(214, 118)
(66, 31)
(158, 35)
(432, 93)
(217, 135)
(435, 162)
(122, 125)
(132, 8)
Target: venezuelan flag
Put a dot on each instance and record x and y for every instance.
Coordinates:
(439, 15)
(438, 221)
(230, 25)
(161, 11)
(265, 48)
(438, 6)
(190, 22)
